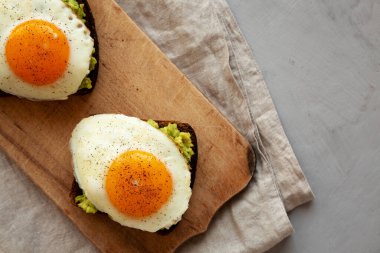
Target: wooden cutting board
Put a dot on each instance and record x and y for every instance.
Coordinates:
(136, 79)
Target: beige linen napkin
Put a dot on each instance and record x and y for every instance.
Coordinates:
(204, 41)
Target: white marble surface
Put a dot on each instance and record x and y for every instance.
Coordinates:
(321, 62)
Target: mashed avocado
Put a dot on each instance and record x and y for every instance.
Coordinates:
(93, 61)
(78, 9)
(86, 83)
(182, 139)
(83, 202)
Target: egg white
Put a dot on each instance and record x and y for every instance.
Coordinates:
(98, 140)
(13, 13)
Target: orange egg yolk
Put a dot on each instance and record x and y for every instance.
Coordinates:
(37, 52)
(138, 184)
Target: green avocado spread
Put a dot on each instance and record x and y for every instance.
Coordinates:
(78, 9)
(83, 202)
(181, 139)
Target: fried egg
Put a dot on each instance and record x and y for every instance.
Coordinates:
(131, 171)
(45, 49)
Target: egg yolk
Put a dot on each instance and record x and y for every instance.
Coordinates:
(138, 184)
(38, 52)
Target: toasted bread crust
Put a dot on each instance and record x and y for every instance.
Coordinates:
(183, 127)
(90, 23)
(93, 75)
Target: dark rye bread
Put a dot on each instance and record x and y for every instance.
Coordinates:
(183, 127)
(90, 24)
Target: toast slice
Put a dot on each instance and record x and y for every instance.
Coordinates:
(93, 75)
(183, 127)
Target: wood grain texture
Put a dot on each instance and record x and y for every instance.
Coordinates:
(136, 79)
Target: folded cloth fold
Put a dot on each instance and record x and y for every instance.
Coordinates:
(204, 41)
(202, 38)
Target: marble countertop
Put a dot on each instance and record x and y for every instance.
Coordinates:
(321, 62)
